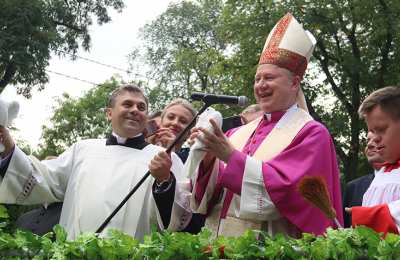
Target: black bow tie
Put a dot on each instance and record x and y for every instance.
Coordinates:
(136, 142)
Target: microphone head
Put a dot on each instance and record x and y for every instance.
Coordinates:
(220, 99)
(243, 101)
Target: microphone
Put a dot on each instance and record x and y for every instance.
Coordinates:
(219, 99)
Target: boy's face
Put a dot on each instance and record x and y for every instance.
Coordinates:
(373, 157)
(384, 132)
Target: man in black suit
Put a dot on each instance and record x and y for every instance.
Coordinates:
(355, 189)
(41, 220)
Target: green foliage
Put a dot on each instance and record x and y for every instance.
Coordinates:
(359, 243)
(9, 213)
(186, 53)
(77, 118)
(3, 212)
(31, 29)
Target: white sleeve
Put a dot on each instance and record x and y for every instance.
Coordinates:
(29, 181)
(394, 208)
(255, 202)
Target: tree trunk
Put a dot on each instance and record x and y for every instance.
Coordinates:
(351, 168)
(7, 76)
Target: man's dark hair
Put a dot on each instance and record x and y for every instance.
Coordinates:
(388, 98)
(123, 89)
(155, 114)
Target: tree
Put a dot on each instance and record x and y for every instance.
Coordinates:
(30, 30)
(77, 118)
(184, 50)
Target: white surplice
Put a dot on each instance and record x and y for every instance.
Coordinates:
(92, 179)
(385, 189)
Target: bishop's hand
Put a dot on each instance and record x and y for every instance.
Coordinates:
(215, 143)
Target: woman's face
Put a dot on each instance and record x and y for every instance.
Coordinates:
(176, 118)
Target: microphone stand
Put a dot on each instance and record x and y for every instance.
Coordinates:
(137, 186)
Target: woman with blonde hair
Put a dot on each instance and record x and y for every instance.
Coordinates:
(175, 117)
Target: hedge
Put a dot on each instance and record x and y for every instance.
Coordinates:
(359, 243)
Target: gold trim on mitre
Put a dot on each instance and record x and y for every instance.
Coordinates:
(288, 46)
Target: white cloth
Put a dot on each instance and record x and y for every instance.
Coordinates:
(245, 212)
(92, 179)
(196, 154)
(261, 209)
(204, 122)
(385, 189)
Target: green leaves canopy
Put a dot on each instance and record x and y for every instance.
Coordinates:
(31, 29)
(359, 243)
(185, 52)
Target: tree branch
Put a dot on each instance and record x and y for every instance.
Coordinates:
(326, 19)
(355, 79)
(325, 68)
(387, 45)
(314, 114)
(70, 26)
(8, 75)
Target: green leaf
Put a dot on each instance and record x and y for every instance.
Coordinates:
(3, 212)
(61, 234)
